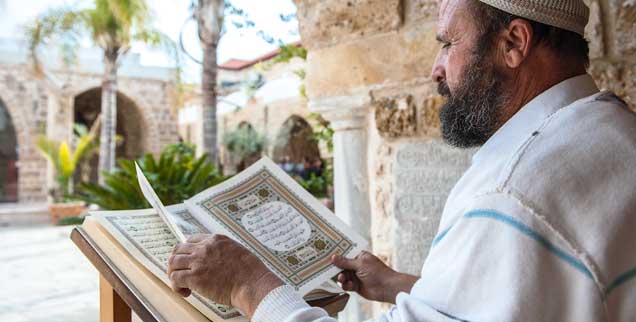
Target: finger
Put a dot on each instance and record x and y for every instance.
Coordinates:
(179, 262)
(345, 276)
(198, 238)
(345, 263)
(350, 286)
(342, 278)
(179, 279)
(185, 292)
(183, 248)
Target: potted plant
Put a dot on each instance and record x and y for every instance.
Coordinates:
(65, 160)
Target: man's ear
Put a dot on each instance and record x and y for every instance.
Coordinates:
(517, 40)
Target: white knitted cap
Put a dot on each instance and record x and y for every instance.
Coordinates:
(565, 14)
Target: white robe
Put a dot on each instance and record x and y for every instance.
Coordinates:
(541, 227)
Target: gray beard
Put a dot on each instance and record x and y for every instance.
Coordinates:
(471, 114)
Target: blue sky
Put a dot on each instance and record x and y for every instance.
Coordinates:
(170, 16)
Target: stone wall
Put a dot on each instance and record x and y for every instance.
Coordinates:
(612, 35)
(40, 107)
(368, 71)
(27, 103)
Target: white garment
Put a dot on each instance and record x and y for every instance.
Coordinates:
(540, 227)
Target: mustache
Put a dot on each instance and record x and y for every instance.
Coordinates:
(443, 89)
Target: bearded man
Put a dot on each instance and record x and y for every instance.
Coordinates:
(539, 228)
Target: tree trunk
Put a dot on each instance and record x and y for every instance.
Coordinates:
(209, 15)
(108, 131)
(208, 98)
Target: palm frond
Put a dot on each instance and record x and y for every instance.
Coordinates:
(64, 25)
(49, 149)
(66, 165)
(130, 13)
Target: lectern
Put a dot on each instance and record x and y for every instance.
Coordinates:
(118, 296)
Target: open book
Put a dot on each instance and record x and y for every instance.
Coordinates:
(262, 208)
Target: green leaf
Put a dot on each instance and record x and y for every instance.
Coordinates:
(175, 177)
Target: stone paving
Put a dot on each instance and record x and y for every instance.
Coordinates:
(43, 277)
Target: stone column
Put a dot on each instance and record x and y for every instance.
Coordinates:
(348, 117)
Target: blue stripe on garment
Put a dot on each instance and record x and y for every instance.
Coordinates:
(450, 316)
(622, 279)
(491, 214)
(521, 227)
(441, 236)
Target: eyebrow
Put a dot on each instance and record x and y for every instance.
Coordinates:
(440, 38)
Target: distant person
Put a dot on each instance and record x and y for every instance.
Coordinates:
(288, 166)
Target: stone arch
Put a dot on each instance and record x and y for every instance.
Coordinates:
(131, 128)
(294, 142)
(8, 156)
(23, 102)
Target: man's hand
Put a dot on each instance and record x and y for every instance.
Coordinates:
(221, 270)
(368, 276)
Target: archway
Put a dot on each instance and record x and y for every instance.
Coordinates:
(294, 145)
(130, 129)
(8, 157)
(244, 146)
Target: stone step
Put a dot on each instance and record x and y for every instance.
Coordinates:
(23, 215)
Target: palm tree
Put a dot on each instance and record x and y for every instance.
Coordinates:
(209, 16)
(112, 25)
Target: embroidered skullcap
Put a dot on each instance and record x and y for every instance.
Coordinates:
(570, 15)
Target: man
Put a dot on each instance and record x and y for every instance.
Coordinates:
(539, 228)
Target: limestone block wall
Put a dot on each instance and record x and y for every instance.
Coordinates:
(612, 35)
(27, 103)
(153, 99)
(384, 52)
(38, 107)
(368, 71)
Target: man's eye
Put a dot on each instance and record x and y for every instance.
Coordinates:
(446, 45)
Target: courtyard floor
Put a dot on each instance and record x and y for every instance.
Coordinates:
(43, 276)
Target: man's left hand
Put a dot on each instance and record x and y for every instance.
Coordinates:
(221, 270)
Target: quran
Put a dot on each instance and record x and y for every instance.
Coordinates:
(262, 208)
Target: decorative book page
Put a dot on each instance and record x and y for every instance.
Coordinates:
(145, 235)
(172, 222)
(287, 228)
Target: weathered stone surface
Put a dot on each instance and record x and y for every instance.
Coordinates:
(417, 11)
(629, 75)
(429, 122)
(424, 174)
(616, 77)
(326, 22)
(624, 13)
(594, 31)
(396, 117)
(27, 107)
(385, 59)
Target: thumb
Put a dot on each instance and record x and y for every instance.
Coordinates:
(345, 263)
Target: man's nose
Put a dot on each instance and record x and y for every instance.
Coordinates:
(438, 74)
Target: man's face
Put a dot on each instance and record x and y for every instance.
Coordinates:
(467, 77)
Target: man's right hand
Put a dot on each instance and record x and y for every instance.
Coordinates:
(368, 276)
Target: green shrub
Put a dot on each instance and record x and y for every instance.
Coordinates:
(71, 221)
(315, 185)
(176, 176)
